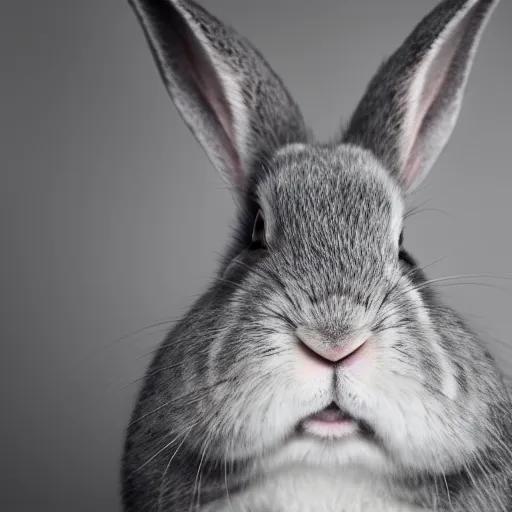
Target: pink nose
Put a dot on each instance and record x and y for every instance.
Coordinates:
(317, 343)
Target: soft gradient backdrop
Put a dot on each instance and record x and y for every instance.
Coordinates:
(111, 217)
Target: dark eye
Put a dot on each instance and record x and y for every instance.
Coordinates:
(402, 254)
(259, 240)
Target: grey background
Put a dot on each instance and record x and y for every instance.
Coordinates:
(112, 218)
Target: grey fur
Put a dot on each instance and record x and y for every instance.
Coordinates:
(378, 120)
(191, 70)
(214, 428)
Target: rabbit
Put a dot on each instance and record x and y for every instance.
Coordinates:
(320, 370)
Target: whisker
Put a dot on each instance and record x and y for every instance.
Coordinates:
(153, 457)
(437, 210)
(162, 482)
(114, 343)
(418, 287)
(198, 477)
(204, 389)
(424, 267)
(415, 208)
(474, 276)
(226, 481)
(470, 283)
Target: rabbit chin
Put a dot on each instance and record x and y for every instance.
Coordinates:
(308, 451)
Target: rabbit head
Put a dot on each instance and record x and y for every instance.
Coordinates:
(321, 341)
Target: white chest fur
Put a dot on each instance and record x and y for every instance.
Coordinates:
(301, 490)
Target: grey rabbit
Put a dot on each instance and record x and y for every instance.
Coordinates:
(319, 371)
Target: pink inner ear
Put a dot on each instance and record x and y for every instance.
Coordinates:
(211, 89)
(431, 79)
(434, 80)
(216, 98)
(219, 104)
(412, 167)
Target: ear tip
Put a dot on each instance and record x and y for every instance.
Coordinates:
(158, 4)
(426, 74)
(153, 13)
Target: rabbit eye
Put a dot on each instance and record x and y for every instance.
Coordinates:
(401, 252)
(259, 240)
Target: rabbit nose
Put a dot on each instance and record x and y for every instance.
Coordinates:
(330, 352)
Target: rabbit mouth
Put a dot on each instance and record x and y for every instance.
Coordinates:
(334, 423)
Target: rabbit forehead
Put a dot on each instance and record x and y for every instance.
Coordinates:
(344, 191)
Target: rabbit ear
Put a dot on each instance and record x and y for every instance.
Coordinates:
(410, 108)
(230, 98)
